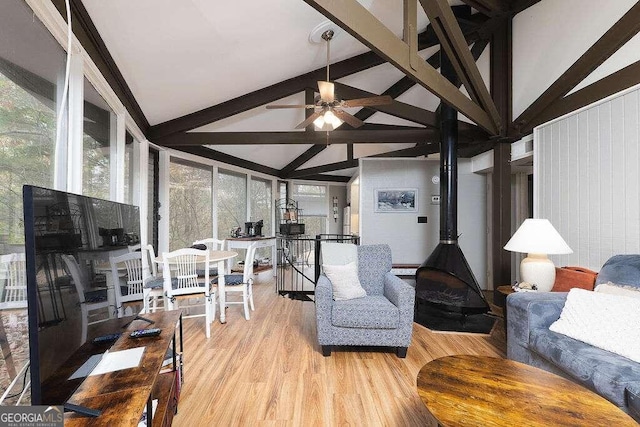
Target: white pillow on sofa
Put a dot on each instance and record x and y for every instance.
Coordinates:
(609, 322)
(615, 289)
(344, 281)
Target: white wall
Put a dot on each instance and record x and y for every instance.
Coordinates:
(587, 179)
(339, 191)
(551, 35)
(411, 242)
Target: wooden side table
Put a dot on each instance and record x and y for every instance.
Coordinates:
(500, 297)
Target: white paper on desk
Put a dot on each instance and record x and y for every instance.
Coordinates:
(119, 360)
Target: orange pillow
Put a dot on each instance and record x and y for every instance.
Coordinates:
(574, 277)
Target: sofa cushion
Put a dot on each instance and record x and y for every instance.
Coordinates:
(615, 289)
(604, 372)
(621, 269)
(610, 322)
(633, 400)
(370, 312)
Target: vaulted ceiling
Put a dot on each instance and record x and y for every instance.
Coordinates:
(196, 75)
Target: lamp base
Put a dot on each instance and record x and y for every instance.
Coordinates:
(538, 270)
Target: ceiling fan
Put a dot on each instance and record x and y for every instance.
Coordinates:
(328, 110)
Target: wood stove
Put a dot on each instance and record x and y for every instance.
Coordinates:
(445, 282)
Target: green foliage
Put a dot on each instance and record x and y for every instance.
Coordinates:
(190, 205)
(27, 141)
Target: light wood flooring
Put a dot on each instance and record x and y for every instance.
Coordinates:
(269, 370)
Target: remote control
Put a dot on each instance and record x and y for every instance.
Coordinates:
(142, 333)
(105, 338)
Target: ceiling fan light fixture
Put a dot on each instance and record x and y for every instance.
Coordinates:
(332, 119)
(328, 121)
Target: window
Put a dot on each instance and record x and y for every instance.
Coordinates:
(32, 67)
(232, 202)
(261, 206)
(97, 140)
(190, 203)
(306, 190)
(261, 209)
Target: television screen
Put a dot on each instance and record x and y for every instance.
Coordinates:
(67, 238)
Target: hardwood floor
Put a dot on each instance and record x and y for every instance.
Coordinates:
(270, 371)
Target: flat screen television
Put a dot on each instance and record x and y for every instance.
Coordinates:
(80, 229)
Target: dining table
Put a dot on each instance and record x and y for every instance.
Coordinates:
(219, 257)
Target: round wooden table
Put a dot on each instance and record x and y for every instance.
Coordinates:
(489, 391)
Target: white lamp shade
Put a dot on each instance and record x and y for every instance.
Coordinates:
(537, 236)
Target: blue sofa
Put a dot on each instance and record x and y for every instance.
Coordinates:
(529, 340)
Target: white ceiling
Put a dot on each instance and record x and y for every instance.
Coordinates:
(181, 57)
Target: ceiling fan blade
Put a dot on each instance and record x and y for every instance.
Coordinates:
(309, 120)
(275, 106)
(364, 102)
(327, 91)
(348, 118)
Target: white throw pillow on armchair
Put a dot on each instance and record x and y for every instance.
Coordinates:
(344, 281)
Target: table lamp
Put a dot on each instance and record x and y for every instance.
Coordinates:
(538, 238)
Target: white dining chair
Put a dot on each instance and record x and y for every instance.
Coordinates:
(180, 273)
(90, 307)
(242, 283)
(13, 273)
(154, 283)
(212, 245)
(137, 275)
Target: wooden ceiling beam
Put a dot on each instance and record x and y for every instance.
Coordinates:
(419, 150)
(620, 80)
(208, 153)
(396, 108)
(501, 73)
(357, 21)
(87, 33)
(366, 136)
(302, 159)
(453, 42)
(288, 87)
(331, 167)
(621, 32)
(327, 178)
(488, 7)
(518, 6)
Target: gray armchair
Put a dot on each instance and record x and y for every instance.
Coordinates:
(383, 318)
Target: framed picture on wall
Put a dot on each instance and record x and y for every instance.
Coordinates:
(397, 200)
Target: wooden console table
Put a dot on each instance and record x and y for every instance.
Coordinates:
(123, 395)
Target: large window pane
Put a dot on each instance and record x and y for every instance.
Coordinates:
(97, 140)
(232, 202)
(261, 205)
(190, 203)
(31, 71)
(261, 210)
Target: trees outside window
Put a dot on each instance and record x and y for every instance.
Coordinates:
(231, 202)
(261, 209)
(97, 139)
(190, 203)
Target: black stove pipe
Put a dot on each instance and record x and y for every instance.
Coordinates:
(448, 161)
